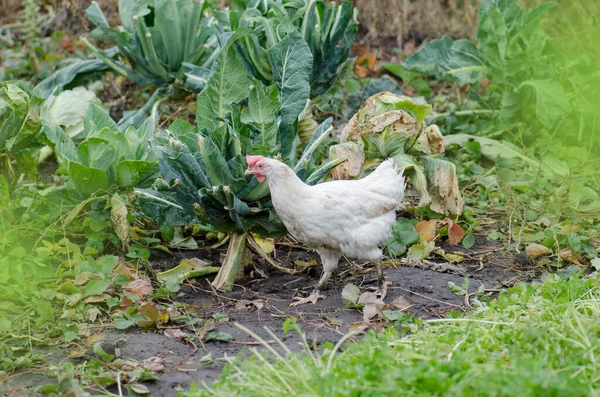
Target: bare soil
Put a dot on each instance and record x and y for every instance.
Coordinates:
(423, 283)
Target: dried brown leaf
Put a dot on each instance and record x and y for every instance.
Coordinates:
(353, 164)
(175, 333)
(139, 288)
(536, 250)
(455, 232)
(93, 339)
(571, 256)
(400, 303)
(427, 229)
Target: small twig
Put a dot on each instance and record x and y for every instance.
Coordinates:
(427, 297)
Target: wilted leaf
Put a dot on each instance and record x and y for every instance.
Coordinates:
(536, 250)
(350, 294)
(427, 229)
(569, 255)
(97, 298)
(352, 166)
(401, 303)
(248, 305)
(139, 288)
(443, 186)
(150, 311)
(421, 250)
(118, 217)
(138, 388)
(175, 333)
(455, 232)
(188, 268)
(93, 339)
(265, 244)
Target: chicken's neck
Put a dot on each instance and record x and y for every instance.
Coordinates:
(284, 182)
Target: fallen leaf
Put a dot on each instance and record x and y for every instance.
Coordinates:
(188, 268)
(455, 232)
(139, 388)
(371, 309)
(401, 303)
(265, 244)
(139, 288)
(93, 339)
(536, 250)
(125, 270)
(97, 298)
(426, 229)
(150, 311)
(249, 305)
(77, 353)
(153, 364)
(83, 278)
(175, 333)
(350, 294)
(571, 256)
(420, 251)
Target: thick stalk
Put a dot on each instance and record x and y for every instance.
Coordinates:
(232, 263)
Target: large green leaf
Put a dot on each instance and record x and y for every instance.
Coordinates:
(215, 164)
(291, 61)
(96, 118)
(136, 173)
(118, 141)
(63, 145)
(96, 153)
(87, 179)
(261, 112)
(330, 48)
(63, 77)
(550, 99)
(227, 85)
(450, 60)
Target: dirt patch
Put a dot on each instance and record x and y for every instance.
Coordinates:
(424, 284)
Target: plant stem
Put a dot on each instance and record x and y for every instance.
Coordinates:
(232, 263)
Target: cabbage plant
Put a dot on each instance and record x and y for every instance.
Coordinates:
(161, 40)
(328, 29)
(393, 126)
(107, 163)
(203, 166)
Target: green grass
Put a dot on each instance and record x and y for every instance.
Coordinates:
(530, 341)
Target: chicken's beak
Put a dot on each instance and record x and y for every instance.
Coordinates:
(249, 171)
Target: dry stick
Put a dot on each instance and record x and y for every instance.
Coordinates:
(256, 248)
(427, 297)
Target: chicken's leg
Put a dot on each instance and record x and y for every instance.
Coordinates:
(380, 274)
(330, 262)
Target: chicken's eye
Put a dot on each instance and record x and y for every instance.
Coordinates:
(260, 166)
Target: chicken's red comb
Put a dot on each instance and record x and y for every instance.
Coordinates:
(252, 160)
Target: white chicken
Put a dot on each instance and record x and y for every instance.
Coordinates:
(335, 218)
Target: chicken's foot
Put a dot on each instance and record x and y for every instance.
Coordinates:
(312, 298)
